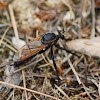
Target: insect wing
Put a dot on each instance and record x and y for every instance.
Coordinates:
(31, 48)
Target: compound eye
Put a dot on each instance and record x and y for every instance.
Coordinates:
(43, 39)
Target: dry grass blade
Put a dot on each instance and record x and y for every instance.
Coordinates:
(22, 88)
(62, 92)
(18, 42)
(4, 35)
(71, 65)
(77, 77)
(14, 24)
(87, 91)
(99, 88)
(93, 19)
(9, 46)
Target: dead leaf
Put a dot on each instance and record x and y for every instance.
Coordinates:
(46, 16)
(97, 3)
(3, 5)
(58, 63)
(90, 47)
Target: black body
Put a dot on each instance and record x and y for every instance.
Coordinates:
(47, 38)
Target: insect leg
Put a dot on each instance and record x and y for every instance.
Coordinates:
(67, 50)
(62, 36)
(52, 56)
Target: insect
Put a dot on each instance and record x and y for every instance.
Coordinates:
(38, 46)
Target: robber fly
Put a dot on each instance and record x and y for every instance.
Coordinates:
(38, 46)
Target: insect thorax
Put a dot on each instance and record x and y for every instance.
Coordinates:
(49, 38)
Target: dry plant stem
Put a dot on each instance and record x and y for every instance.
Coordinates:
(76, 75)
(62, 92)
(44, 65)
(94, 82)
(14, 24)
(67, 4)
(47, 62)
(11, 94)
(68, 70)
(44, 86)
(93, 19)
(35, 97)
(10, 47)
(22, 88)
(18, 42)
(99, 87)
(44, 58)
(24, 82)
(4, 35)
(7, 41)
(87, 92)
(71, 65)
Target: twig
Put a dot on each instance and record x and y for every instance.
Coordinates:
(46, 60)
(14, 24)
(87, 91)
(44, 65)
(22, 88)
(99, 87)
(93, 19)
(10, 95)
(71, 65)
(9, 46)
(76, 75)
(62, 92)
(24, 83)
(18, 42)
(4, 35)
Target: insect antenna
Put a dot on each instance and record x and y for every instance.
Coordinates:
(62, 36)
